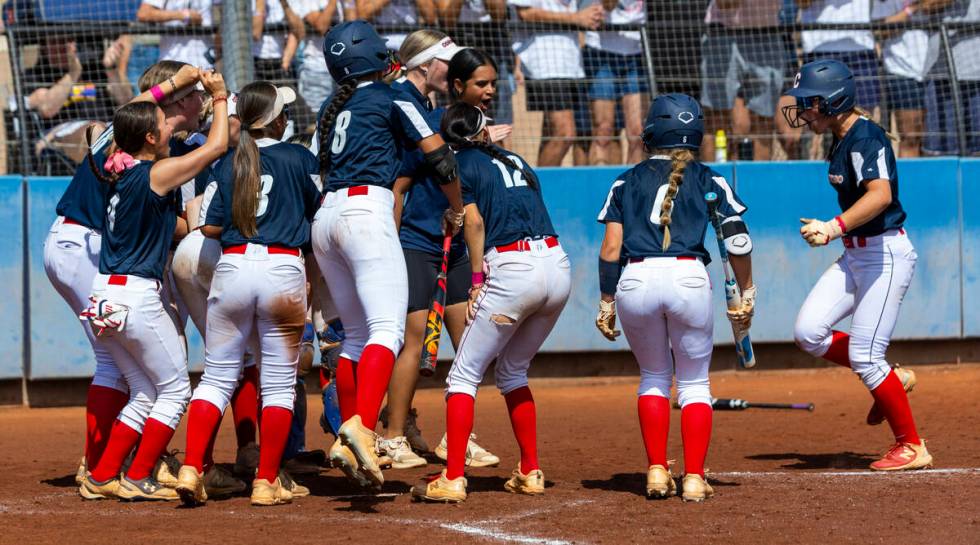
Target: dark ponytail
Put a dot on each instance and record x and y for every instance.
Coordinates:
(461, 122)
(130, 125)
(254, 102)
(337, 103)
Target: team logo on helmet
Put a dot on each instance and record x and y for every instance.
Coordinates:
(338, 49)
(796, 80)
(685, 117)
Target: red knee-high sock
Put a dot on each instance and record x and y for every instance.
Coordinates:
(837, 352)
(654, 414)
(373, 374)
(696, 433)
(459, 425)
(346, 388)
(156, 437)
(893, 402)
(245, 406)
(203, 418)
(524, 421)
(101, 409)
(274, 432)
(122, 439)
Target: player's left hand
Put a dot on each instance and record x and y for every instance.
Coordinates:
(819, 233)
(741, 317)
(452, 222)
(605, 321)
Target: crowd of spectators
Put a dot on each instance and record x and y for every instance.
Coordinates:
(589, 81)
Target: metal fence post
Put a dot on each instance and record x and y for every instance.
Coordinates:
(236, 43)
(955, 87)
(17, 73)
(648, 60)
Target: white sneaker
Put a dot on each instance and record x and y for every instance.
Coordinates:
(476, 456)
(398, 450)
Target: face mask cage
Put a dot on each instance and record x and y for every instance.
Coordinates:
(793, 113)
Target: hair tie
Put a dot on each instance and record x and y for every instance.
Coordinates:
(118, 162)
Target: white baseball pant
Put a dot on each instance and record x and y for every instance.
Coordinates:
(524, 294)
(664, 305)
(148, 351)
(71, 261)
(254, 292)
(357, 247)
(867, 283)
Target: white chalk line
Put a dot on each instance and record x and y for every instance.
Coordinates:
(806, 474)
(497, 535)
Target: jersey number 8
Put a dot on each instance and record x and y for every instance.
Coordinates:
(340, 132)
(265, 186)
(511, 179)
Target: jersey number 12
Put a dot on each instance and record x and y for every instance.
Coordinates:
(511, 179)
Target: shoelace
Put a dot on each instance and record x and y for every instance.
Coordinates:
(898, 449)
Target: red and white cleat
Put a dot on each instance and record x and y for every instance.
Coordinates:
(903, 456)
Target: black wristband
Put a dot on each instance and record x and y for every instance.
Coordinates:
(609, 272)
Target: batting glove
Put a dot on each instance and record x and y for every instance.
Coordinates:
(741, 317)
(606, 320)
(820, 233)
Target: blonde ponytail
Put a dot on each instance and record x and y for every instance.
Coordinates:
(866, 114)
(679, 159)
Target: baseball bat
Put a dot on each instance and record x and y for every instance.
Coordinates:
(743, 342)
(437, 309)
(723, 404)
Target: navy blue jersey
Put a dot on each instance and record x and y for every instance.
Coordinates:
(637, 195)
(139, 226)
(288, 197)
(369, 134)
(512, 210)
(84, 199)
(865, 154)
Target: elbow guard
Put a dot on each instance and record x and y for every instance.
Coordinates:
(609, 272)
(443, 163)
(736, 235)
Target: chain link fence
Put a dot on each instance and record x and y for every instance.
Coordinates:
(575, 77)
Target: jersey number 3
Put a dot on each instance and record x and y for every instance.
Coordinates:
(511, 179)
(340, 132)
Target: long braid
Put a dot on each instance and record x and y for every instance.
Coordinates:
(340, 98)
(109, 179)
(679, 159)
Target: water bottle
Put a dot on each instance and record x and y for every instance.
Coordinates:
(746, 152)
(721, 146)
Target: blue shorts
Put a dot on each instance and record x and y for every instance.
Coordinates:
(904, 93)
(864, 66)
(941, 136)
(613, 76)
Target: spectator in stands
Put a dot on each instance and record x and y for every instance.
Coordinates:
(906, 58)
(942, 134)
(417, 13)
(743, 73)
(194, 49)
(614, 65)
(855, 48)
(63, 98)
(675, 32)
(273, 50)
(481, 24)
(315, 83)
(551, 61)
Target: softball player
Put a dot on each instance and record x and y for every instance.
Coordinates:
(261, 211)
(362, 132)
(418, 206)
(869, 281)
(71, 251)
(135, 328)
(655, 217)
(512, 308)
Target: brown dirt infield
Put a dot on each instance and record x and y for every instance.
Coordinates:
(779, 476)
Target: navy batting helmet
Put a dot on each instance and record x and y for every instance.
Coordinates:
(354, 49)
(829, 83)
(675, 121)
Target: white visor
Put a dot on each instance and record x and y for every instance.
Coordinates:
(284, 95)
(444, 51)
